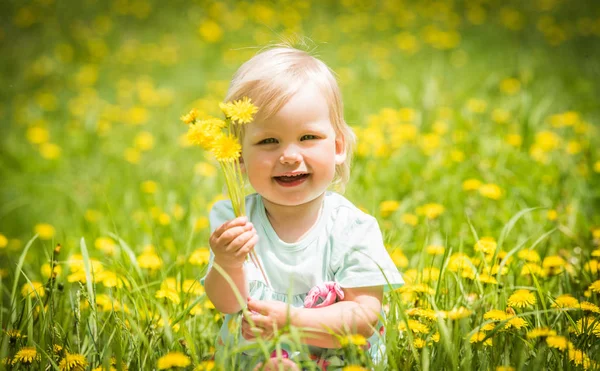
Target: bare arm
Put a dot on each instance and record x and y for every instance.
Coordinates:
(230, 243)
(358, 313)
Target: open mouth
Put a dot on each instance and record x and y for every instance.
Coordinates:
(291, 180)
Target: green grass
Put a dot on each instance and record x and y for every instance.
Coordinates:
(90, 105)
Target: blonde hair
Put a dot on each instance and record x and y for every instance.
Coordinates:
(272, 77)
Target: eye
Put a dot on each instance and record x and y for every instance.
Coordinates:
(309, 137)
(268, 141)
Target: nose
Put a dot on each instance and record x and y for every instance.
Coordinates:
(290, 155)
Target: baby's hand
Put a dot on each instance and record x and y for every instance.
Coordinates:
(232, 242)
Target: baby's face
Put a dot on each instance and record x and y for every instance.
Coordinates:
(290, 158)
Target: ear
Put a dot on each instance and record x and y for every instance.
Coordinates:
(340, 150)
(242, 165)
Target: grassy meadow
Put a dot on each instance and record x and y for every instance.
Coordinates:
(477, 123)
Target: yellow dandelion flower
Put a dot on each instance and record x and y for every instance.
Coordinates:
(226, 148)
(354, 368)
(419, 343)
(553, 264)
(149, 186)
(478, 338)
(471, 185)
(495, 315)
(33, 289)
(190, 117)
(149, 260)
(45, 231)
(595, 287)
(410, 219)
(510, 86)
(204, 132)
(421, 313)
(458, 313)
(26, 356)
(579, 358)
(558, 342)
(173, 359)
(73, 362)
(205, 366)
(413, 325)
(431, 210)
(106, 244)
(387, 208)
(505, 368)
(539, 332)
(241, 111)
(171, 295)
(516, 322)
(565, 301)
(589, 307)
(532, 269)
(3, 241)
(521, 299)
(354, 339)
(435, 250)
(492, 191)
(193, 287)
(200, 256)
(47, 270)
(486, 245)
(529, 255)
(486, 278)
(593, 266)
(399, 259)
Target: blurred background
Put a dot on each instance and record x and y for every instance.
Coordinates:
(466, 112)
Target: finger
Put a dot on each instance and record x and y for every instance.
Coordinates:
(231, 223)
(248, 246)
(240, 241)
(232, 233)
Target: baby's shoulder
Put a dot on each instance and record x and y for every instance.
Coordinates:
(345, 216)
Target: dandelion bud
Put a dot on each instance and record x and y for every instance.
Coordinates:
(57, 249)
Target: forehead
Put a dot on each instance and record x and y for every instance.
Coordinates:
(307, 106)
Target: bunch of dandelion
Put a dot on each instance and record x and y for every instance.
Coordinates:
(217, 137)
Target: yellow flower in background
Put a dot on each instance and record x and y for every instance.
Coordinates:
(33, 290)
(354, 339)
(486, 245)
(435, 250)
(540, 332)
(554, 264)
(399, 259)
(478, 338)
(471, 184)
(458, 313)
(413, 325)
(132, 155)
(200, 256)
(521, 298)
(354, 368)
(547, 141)
(387, 208)
(3, 241)
(529, 255)
(73, 362)
(45, 231)
(410, 219)
(565, 301)
(50, 151)
(37, 135)
(505, 368)
(26, 356)
(210, 31)
(171, 295)
(241, 111)
(46, 270)
(226, 148)
(149, 260)
(149, 186)
(514, 140)
(207, 365)
(106, 244)
(492, 191)
(205, 169)
(144, 141)
(510, 86)
(595, 287)
(558, 342)
(597, 166)
(476, 105)
(431, 210)
(552, 215)
(173, 359)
